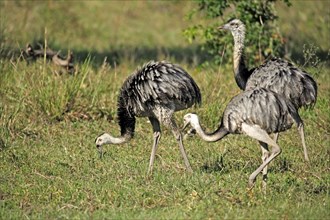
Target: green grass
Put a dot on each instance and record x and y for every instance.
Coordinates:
(48, 123)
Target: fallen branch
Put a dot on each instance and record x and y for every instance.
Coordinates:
(54, 56)
(33, 53)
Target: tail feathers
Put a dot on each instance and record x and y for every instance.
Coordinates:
(294, 113)
(309, 94)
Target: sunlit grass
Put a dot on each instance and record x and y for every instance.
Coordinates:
(51, 167)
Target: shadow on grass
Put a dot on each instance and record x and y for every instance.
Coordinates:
(191, 55)
(217, 165)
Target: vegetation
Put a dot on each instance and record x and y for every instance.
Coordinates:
(263, 36)
(48, 122)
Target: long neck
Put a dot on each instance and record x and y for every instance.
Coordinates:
(212, 137)
(126, 121)
(240, 70)
(121, 139)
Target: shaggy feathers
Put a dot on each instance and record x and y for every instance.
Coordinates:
(284, 78)
(275, 74)
(158, 83)
(156, 90)
(260, 107)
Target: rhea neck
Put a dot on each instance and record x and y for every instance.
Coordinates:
(240, 70)
(126, 121)
(210, 137)
(118, 140)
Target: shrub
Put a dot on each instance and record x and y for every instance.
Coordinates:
(259, 16)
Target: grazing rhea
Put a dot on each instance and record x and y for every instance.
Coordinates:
(275, 74)
(156, 90)
(256, 113)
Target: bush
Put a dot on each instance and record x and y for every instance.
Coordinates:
(262, 37)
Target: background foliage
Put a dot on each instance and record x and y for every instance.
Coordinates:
(262, 35)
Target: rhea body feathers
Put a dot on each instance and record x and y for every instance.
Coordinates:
(275, 74)
(259, 107)
(156, 90)
(256, 113)
(158, 84)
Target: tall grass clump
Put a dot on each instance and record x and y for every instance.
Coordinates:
(56, 94)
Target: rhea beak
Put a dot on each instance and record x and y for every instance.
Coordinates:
(186, 123)
(223, 27)
(99, 148)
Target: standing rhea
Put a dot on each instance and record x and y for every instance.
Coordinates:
(256, 113)
(275, 74)
(156, 90)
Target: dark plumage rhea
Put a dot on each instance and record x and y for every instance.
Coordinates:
(156, 90)
(256, 113)
(275, 74)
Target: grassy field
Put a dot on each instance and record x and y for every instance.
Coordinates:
(48, 123)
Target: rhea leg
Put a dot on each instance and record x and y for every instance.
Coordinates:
(300, 125)
(265, 155)
(261, 135)
(302, 136)
(276, 137)
(177, 134)
(157, 134)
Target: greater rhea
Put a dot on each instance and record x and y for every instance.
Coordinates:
(274, 74)
(256, 113)
(156, 90)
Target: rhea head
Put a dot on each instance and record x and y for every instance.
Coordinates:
(191, 119)
(236, 27)
(101, 140)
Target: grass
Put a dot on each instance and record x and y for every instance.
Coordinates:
(48, 122)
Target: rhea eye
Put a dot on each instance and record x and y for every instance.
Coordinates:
(100, 139)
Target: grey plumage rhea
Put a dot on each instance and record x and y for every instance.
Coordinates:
(275, 74)
(156, 90)
(256, 113)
